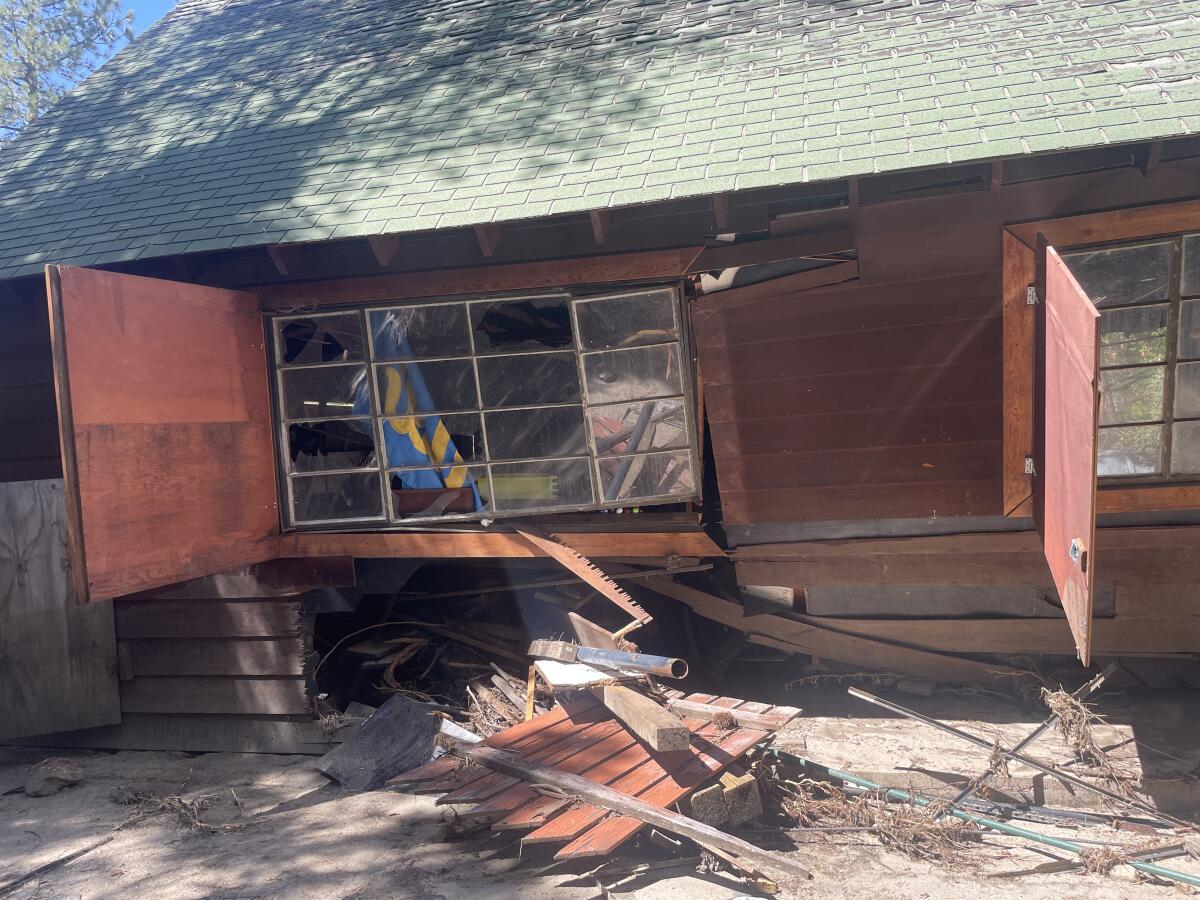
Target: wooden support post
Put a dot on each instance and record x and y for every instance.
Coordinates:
(601, 220)
(609, 798)
(385, 247)
(656, 726)
(1152, 158)
(488, 237)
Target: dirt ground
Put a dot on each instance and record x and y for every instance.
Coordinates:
(291, 833)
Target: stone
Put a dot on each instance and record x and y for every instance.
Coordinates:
(52, 775)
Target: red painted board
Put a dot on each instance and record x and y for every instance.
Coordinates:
(1065, 460)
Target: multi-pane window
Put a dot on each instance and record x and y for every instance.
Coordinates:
(484, 408)
(1148, 295)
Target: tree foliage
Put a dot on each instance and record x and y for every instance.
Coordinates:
(48, 46)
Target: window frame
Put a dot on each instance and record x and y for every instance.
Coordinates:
(1019, 265)
(388, 519)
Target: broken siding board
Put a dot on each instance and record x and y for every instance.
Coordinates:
(216, 656)
(207, 618)
(226, 695)
(824, 642)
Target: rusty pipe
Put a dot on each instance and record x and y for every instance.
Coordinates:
(666, 666)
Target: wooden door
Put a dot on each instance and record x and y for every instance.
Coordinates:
(165, 425)
(1064, 486)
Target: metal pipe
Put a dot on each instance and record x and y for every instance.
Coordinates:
(666, 666)
(1004, 827)
(1084, 692)
(1019, 757)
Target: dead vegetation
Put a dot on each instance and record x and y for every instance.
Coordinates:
(186, 811)
(1075, 726)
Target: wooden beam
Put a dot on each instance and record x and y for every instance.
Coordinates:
(616, 267)
(488, 237)
(852, 194)
(658, 728)
(802, 637)
(497, 545)
(997, 177)
(815, 245)
(1153, 157)
(285, 258)
(385, 247)
(720, 206)
(601, 219)
(609, 798)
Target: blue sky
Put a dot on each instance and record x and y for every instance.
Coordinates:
(147, 12)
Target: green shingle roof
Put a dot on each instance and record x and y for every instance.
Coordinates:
(246, 122)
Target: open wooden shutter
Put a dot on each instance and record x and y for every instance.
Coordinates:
(1064, 487)
(165, 424)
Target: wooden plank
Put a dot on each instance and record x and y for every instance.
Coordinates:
(1119, 636)
(152, 618)
(808, 280)
(1115, 225)
(216, 656)
(613, 799)
(757, 252)
(824, 642)
(653, 724)
(459, 545)
(58, 660)
(226, 695)
(198, 734)
(748, 715)
(858, 501)
(1064, 487)
(664, 264)
(1153, 601)
(1018, 274)
(286, 577)
(181, 369)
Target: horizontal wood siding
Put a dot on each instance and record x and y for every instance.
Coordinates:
(881, 397)
(28, 420)
(858, 401)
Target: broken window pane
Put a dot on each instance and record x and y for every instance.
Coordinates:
(452, 490)
(440, 440)
(535, 485)
(325, 392)
(1130, 451)
(1189, 327)
(321, 339)
(510, 326)
(1185, 448)
(414, 332)
(337, 444)
(317, 498)
(628, 321)
(638, 426)
(1134, 335)
(529, 379)
(1191, 265)
(447, 384)
(632, 374)
(524, 433)
(646, 475)
(1119, 276)
(1131, 395)
(1187, 390)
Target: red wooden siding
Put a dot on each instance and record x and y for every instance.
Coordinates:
(859, 401)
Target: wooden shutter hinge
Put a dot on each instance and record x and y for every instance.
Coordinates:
(1031, 297)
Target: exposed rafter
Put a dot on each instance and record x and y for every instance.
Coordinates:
(720, 206)
(385, 247)
(488, 237)
(285, 258)
(601, 221)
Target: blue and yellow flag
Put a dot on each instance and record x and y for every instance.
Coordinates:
(412, 438)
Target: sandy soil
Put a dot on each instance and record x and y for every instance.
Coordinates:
(293, 834)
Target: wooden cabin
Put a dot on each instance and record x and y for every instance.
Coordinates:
(892, 316)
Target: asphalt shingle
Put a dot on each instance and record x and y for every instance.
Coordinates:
(240, 121)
